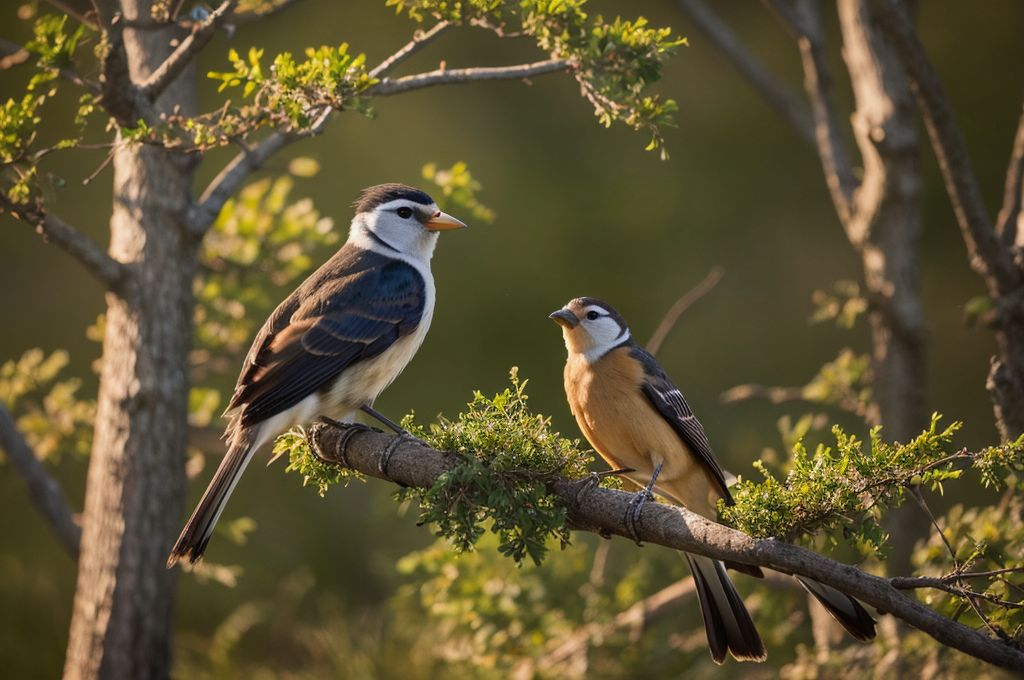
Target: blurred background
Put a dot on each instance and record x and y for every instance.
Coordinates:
(581, 210)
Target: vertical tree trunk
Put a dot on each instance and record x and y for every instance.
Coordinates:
(121, 622)
(885, 227)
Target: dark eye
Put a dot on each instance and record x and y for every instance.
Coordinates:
(404, 213)
(592, 315)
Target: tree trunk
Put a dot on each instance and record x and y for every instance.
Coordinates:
(121, 622)
(885, 227)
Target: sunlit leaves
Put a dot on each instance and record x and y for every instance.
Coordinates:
(48, 409)
(302, 460)
(458, 190)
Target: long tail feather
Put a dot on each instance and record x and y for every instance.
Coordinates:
(726, 619)
(850, 614)
(199, 528)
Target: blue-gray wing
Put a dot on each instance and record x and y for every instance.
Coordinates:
(670, 403)
(352, 309)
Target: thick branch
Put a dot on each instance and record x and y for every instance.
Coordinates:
(186, 51)
(442, 76)
(42, 488)
(777, 93)
(104, 268)
(987, 254)
(602, 511)
(418, 42)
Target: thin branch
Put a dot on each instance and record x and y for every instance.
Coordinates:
(805, 22)
(443, 76)
(777, 93)
(240, 18)
(186, 51)
(44, 490)
(235, 173)
(104, 268)
(988, 256)
(668, 322)
(79, 10)
(1013, 192)
(418, 42)
(599, 510)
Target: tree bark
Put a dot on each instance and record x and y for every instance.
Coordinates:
(122, 616)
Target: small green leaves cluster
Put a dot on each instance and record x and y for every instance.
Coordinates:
(843, 489)
(458, 190)
(507, 453)
(49, 411)
(614, 62)
(314, 471)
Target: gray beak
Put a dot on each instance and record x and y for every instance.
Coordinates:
(564, 318)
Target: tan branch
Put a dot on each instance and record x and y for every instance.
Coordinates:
(1008, 222)
(443, 76)
(418, 42)
(668, 322)
(602, 511)
(43, 489)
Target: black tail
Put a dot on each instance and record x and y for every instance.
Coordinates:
(850, 614)
(726, 619)
(199, 528)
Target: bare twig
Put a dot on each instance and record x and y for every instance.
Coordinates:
(777, 93)
(1007, 223)
(986, 252)
(104, 268)
(80, 10)
(240, 18)
(43, 489)
(602, 510)
(418, 42)
(186, 51)
(668, 322)
(443, 76)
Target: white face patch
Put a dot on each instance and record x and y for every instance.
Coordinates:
(394, 229)
(602, 332)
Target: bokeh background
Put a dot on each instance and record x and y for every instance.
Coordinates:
(581, 210)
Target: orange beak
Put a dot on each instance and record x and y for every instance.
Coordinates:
(443, 222)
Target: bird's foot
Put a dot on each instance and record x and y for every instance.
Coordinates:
(634, 510)
(592, 480)
(390, 449)
(348, 430)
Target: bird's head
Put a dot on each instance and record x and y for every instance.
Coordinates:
(591, 327)
(399, 219)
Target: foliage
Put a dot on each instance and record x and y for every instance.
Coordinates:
(507, 453)
(458, 188)
(51, 414)
(845, 489)
(315, 472)
(614, 62)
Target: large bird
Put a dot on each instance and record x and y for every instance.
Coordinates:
(335, 343)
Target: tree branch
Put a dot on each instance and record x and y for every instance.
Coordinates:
(777, 93)
(104, 268)
(987, 254)
(671, 317)
(443, 76)
(603, 510)
(186, 51)
(1013, 192)
(235, 173)
(43, 489)
(12, 54)
(418, 42)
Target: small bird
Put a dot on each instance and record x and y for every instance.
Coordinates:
(638, 421)
(335, 343)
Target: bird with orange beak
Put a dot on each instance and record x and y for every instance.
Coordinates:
(335, 343)
(638, 421)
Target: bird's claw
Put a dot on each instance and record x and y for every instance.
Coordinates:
(390, 449)
(634, 510)
(348, 430)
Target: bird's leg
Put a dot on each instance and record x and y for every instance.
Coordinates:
(392, 425)
(594, 478)
(636, 505)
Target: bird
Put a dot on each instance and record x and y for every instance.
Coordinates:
(333, 345)
(641, 425)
